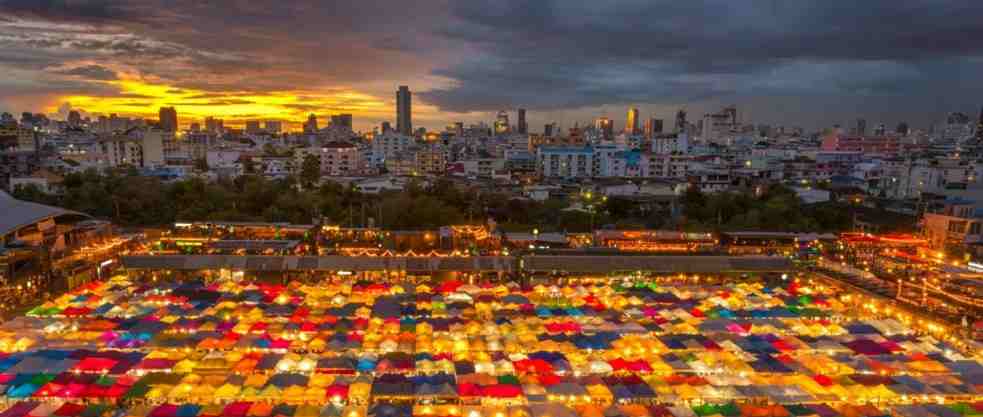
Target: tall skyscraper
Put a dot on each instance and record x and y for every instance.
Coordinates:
(605, 126)
(979, 126)
(404, 110)
(522, 126)
(548, 130)
(681, 120)
(168, 119)
(631, 122)
(502, 123)
(862, 127)
(310, 126)
(653, 127)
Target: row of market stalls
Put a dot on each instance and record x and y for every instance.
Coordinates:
(245, 348)
(263, 409)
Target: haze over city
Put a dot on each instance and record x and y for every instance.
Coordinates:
(803, 63)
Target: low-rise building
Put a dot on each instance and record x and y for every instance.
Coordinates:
(954, 225)
(565, 162)
(340, 159)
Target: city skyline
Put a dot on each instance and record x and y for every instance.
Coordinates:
(476, 58)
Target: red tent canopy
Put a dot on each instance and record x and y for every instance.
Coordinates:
(502, 391)
(69, 410)
(95, 364)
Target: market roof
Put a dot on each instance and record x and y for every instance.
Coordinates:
(567, 263)
(18, 213)
(319, 263)
(668, 264)
(230, 244)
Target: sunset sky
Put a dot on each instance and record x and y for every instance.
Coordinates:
(794, 62)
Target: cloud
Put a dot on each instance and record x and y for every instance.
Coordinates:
(467, 58)
(67, 10)
(90, 72)
(553, 54)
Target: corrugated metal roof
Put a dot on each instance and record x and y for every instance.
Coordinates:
(18, 213)
(317, 263)
(665, 264)
(589, 264)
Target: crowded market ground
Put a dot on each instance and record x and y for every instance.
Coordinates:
(587, 347)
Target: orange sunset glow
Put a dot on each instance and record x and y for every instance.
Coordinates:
(142, 98)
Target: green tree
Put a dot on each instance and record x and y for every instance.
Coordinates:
(310, 171)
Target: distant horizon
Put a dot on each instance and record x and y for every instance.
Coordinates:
(290, 126)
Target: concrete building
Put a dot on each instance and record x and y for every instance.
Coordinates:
(214, 126)
(665, 166)
(631, 122)
(153, 145)
(168, 119)
(955, 224)
(120, 150)
(677, 143)
(565, 162)
(522, 126)
(884, 145)
(653, 127)
(252, 127)
(273, 126)
(717, 126)
(431, 159)
(340, 159)
(502, 123)
(342, 120)
(710, 181)
(389, 145)
(604, 127)
(404, 111)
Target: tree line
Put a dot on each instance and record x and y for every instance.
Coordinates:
(129, 199)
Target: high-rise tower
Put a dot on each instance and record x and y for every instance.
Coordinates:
(404, 110)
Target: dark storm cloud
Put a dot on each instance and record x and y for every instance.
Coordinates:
(67, 10)
(90, 72)
(555, 54)
(240, 45)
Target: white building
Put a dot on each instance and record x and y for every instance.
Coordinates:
(340, 159)
(670, 144)
(711, 181)
(388, 145)
(717, 126)
(666, 166)
(157, 143)
(565, 162)
(119, 151)
(222, 158)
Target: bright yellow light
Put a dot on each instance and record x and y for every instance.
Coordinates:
(139, 97)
